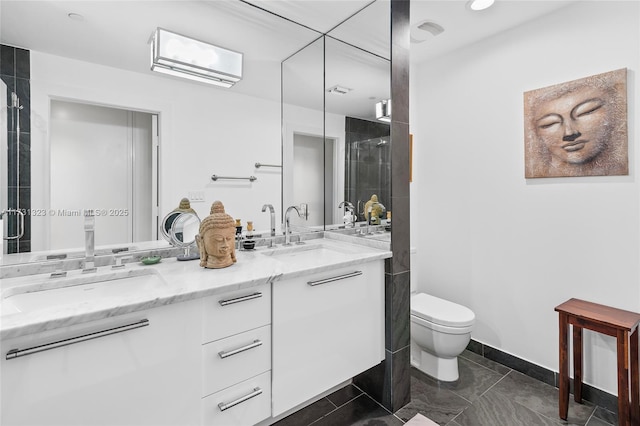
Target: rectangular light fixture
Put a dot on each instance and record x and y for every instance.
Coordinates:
(383, 110)
(339, 90)
(185, 57)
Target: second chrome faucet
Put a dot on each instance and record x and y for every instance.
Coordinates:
(287, 225)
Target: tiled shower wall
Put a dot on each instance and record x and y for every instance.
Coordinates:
(367, 163)
(15, 73)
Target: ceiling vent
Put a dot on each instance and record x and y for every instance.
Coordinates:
(425, 30)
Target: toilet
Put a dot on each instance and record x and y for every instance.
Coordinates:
(440, 331)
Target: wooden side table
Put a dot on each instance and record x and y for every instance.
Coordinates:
(621, 324)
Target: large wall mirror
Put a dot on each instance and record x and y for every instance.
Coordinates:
(354, 53)
(335, 148)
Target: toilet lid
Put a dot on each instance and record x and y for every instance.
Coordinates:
(440, 311)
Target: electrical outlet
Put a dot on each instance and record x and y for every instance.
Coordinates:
(196, 196)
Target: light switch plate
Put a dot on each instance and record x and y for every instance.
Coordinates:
(196, 196)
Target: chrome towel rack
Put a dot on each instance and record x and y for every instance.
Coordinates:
(258, 165)
(250, 178)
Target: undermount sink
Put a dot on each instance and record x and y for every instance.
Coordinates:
(76, 289)
(301, 252)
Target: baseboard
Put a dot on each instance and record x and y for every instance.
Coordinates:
(550, 377)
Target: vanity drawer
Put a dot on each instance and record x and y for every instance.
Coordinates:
(246, 403)
(236, 358)
(237, 311)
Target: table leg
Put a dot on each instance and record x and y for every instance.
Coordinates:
(623, 377)
(635, 379)
(577, 363)
(563, 385)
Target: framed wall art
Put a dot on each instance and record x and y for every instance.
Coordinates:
(577, 128)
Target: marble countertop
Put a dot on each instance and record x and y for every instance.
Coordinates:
(177, 281)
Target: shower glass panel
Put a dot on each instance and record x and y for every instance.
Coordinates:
(368, 170)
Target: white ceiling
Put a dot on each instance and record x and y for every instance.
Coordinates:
(116, 33)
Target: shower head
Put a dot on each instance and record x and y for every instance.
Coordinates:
(383, 142)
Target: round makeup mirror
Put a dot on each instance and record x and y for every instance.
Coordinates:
(180, 229)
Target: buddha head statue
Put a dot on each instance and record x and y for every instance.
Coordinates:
(216, 239)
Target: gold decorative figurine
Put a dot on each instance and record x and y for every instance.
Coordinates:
(216, 240)
(185, 207)
(373, 210)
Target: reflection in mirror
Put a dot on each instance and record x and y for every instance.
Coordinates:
(366, 155)
(303, 134)
(119, 190)
(115, 75)
(303, 89)
(334, 148)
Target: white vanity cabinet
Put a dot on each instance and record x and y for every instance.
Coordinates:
(137, 369)
(236, 357)
(327, 328)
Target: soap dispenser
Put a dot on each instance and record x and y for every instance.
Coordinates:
(249, 243)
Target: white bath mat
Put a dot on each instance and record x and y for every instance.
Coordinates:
(420, 420)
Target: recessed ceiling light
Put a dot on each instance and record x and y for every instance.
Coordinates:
(75, 16)
(480, 4)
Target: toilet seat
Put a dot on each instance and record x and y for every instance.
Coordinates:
(441, 312)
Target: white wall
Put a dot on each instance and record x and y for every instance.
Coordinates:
(204, 130)
(510, 248)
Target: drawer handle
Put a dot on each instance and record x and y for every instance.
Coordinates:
(332, 279)
(240, 299)
(255, 344)
(256, 392)
(15, 353)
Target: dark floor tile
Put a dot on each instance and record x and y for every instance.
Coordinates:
(594, 421)
(485, 362)
(362, 411)
(540, 397)
(344, 395)
(431, 399)
(605, 415)
(308, 414)
(497, 409)
(474, 380)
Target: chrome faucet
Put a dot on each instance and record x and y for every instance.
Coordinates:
(287, 225)
(272, 214)
(89, 241)
(348, 207)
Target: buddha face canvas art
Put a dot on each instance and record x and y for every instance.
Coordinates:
(577, 128)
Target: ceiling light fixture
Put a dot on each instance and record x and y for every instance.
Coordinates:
(383, 110)
(181, 56)
(480, 4)
(339, 90)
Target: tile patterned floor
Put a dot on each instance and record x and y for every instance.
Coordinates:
(487, 394)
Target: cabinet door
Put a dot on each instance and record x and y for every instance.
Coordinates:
(147, 375)
(326, 329)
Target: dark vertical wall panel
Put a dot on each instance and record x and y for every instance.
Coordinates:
(390, 382)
